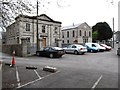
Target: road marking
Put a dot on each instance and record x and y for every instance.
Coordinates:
(37, 74)
(17, 75)
(96, 83)
(36, 80)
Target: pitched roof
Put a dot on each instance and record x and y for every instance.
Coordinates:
(35, 17)
(71, 26)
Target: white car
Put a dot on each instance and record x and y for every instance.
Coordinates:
(75, 49)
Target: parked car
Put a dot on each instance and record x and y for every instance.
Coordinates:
(107, 48)
(91, 47)
(94, 47)
(118, 52)
(75, 49)
(50, 52)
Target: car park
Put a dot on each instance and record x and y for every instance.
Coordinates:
(107, 48)
(50, 52)
(75, 49)
(94, 47)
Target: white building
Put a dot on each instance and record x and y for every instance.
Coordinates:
(80, 33)
(25, 27)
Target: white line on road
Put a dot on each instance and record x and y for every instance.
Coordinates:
(17, 75)
(36, 80)
(96, 83)
(37, 74)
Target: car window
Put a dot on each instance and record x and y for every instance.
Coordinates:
(46, 49)
(93, 45)
(51, 49)
(73, 46)
(69, 46)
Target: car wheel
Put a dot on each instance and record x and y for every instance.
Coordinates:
(38, 54)
(75, 52)
(51, 55)
(91, 50)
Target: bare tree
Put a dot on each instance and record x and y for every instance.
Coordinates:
(9, 9)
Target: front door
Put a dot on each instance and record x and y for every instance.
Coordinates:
(44, 42)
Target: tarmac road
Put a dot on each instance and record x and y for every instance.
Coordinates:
(92, 70)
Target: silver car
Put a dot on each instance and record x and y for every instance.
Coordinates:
(75, 49)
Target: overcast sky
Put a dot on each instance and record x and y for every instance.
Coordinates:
(79, 11)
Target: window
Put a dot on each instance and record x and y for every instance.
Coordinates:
(63, 41)
(80, 33)
(55, 30)
(43, 29)
(67, 41)
(17, 39)
(62, 34)
(27, 27)
(67, 33)
(28, 40)
(73, 33)
(85, 33)
(89, 34)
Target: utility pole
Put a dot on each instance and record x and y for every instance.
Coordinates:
(37, 29)
(113, 32)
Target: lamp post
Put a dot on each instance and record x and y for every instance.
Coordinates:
(37, 28)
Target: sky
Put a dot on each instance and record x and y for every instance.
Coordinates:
(79, 11)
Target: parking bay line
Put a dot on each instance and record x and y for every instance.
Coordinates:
(37, 74)
(36, 80)
(96, 83)
(17, 76)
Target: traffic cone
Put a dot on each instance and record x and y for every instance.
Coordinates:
(13, 60)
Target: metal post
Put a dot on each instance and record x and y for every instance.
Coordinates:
(113, 32)
(37, 28)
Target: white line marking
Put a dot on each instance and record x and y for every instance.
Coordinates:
(96, 83)
(37, 74)
(17, 75)
(36, 80)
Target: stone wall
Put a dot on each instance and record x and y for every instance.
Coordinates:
(8, 49)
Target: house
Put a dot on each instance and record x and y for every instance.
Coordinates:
(79, 33)
(49, 31)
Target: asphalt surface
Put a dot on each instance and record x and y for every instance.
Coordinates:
(92, 70)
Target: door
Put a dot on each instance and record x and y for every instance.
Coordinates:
(44, 42)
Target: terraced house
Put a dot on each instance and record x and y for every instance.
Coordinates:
(79, 33)
(49, 31)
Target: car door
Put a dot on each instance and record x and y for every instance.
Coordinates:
(73, 48)
(68, 49)
(45, 52)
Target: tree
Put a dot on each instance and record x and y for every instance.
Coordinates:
(104, 32)
(95, 35)
(9, 9)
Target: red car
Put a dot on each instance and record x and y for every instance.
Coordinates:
(107, 48)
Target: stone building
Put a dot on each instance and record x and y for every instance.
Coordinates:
(79, 33)
(49, 31)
